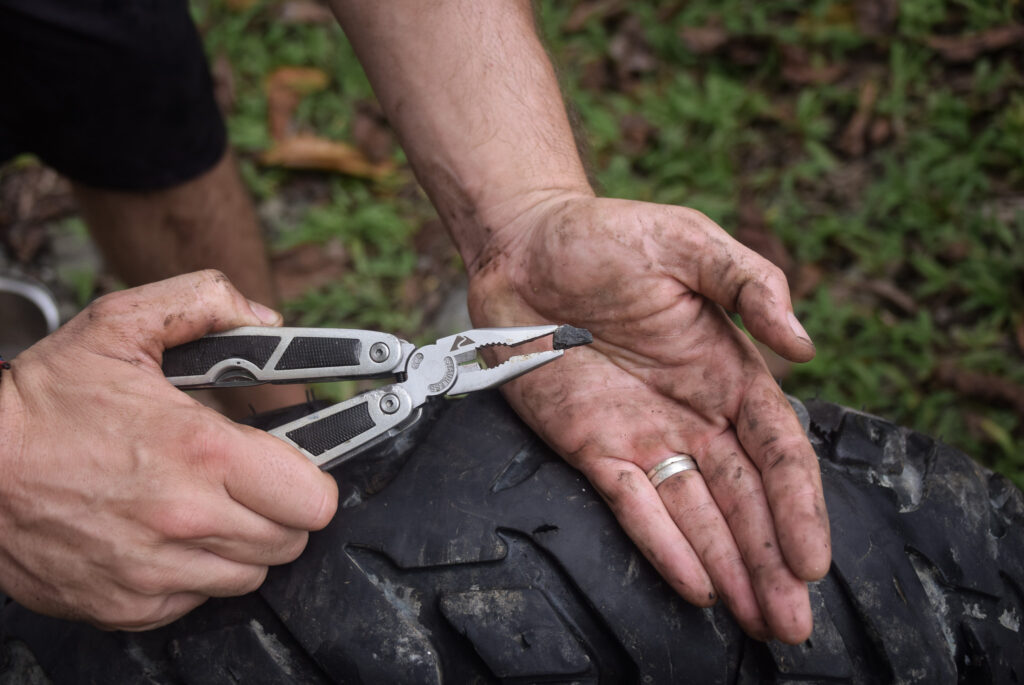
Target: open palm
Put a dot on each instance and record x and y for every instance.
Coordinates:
(669, 373)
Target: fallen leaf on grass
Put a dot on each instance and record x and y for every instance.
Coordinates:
(852, 140)
(983, 386)
(286, 86)
(891, 293)
(585, 11)
(308, 267)
(968, 47)
(880, 131)
(371, 132)
(637, 134)
(703, 40)
(753, 231)
(799, 69)
(752, 51)
(631, 53)
(596, 75)
(311, 152)
(876, 17)
(223, 83)
(305, 12)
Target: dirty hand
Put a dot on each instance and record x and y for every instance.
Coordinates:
(670, 373)
(123, 501)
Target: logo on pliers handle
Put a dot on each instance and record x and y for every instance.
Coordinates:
(461, 341)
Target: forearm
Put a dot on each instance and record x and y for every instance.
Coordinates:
(476, 104)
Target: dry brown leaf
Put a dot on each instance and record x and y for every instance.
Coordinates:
(637, 134)
(307, 267)
(983, 386)
(703, 40)
(968, 47)
(313, 153)
(305, 12)
(799, 69)
(371, 133)
(585, 11)
(631, 53)
(876, 17)
(596, 75)
(880, 131)
(749, 52)
(852, 140)
(223, 83)
(753, 231)
(302, 80)
(286, 86)
(808, 278)
(891, 293)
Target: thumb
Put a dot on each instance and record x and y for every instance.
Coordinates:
(174, 311)
(742, 281)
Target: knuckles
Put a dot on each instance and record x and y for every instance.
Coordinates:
(147, 580)
(251, 581)
(128, 611)
(183, 520)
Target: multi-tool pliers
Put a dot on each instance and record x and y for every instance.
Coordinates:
(448, 367)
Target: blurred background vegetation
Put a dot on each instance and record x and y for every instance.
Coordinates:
(873, 149)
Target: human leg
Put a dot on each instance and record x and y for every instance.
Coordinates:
(207, 222)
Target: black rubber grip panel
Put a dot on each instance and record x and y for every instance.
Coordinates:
(319, 353)
(329, 432)
(199, 356)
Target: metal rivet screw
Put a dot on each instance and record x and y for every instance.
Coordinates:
(389, 403)
(379, 352)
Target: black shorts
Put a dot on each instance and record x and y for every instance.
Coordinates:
(114, 94)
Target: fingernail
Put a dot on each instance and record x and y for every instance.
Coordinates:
(798, 330)
(264, 313)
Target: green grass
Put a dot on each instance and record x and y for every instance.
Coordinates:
(932, 209)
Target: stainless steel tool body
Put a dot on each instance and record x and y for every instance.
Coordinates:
(451, 366)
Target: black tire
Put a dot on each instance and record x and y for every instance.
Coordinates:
(473, 554)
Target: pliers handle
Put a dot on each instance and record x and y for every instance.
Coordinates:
(253, 355)
(450, 366)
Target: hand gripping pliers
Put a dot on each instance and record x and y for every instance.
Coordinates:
(451, 366)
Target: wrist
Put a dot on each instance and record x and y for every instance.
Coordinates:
(497, 228)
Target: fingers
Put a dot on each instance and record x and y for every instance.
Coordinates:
(641, 514)
(774, 439)
(267, 476)
(218, 524)
(736, 486)
(691, 506)
(157, 612)
(150, 595)
(720, 268)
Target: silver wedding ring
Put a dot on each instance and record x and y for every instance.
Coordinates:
(667, 468)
